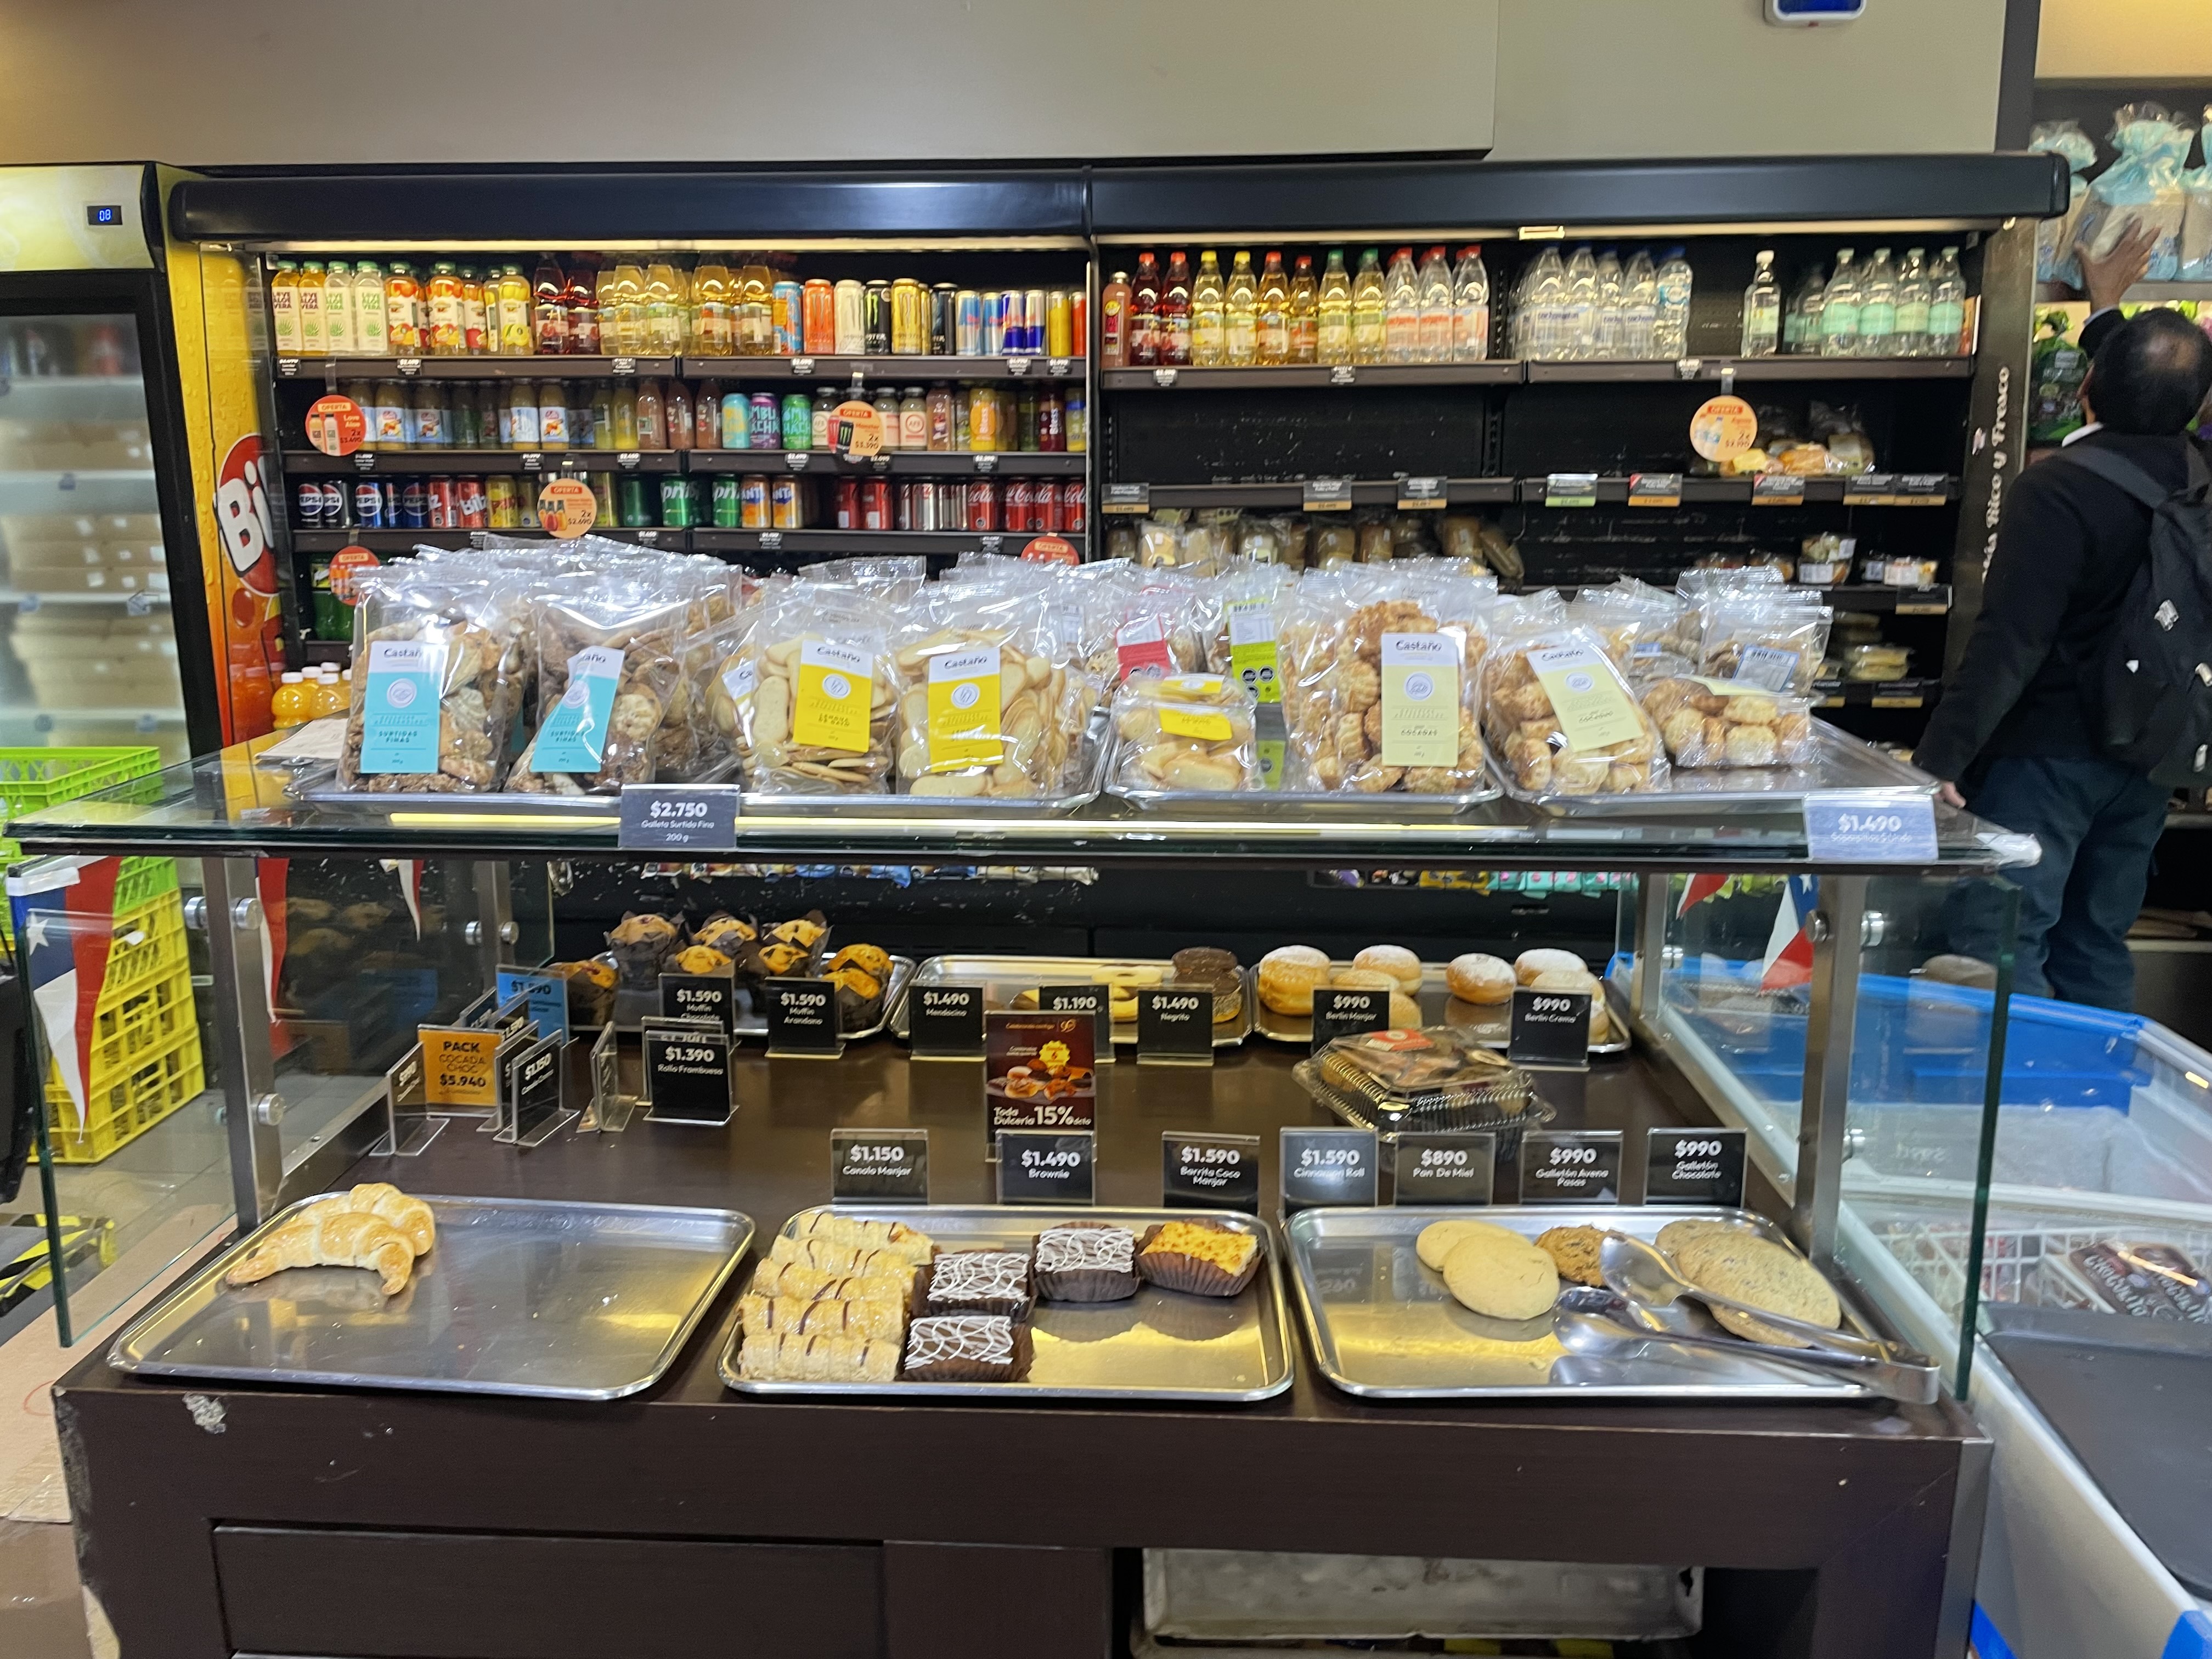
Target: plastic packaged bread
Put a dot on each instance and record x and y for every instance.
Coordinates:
(1186, 733)
(1561, 719)
(607, 668)
(1720, 723)
(1767, 637)
(1648, 632)
(817, 712)
(441, 680)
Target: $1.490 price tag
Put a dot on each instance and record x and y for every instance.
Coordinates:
(1869, 827)
(1038, 1166)
(689, 817)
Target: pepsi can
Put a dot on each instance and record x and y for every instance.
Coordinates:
(414, 506)
(368, 504)
(311, 505)
(968, 323)
(334, 503)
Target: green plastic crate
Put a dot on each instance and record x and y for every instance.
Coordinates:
(33, 778)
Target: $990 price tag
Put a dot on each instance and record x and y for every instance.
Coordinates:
(1577, 1166)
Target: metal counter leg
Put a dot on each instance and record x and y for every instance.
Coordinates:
(1837, 944)
(251, 1107)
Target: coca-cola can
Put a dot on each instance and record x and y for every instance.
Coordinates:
(920, 504)
(440, 493)
(1074, 505)
(876, 504)
(1020, 502)
(848, 503)
(470, 503)
(982, 505)
(906, 505)
(1047, 513)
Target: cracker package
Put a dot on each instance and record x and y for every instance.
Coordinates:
(1560, 717)
(1185, 731)
(441, 678)
(821, 701)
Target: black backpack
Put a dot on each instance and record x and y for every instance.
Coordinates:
(2151, 680)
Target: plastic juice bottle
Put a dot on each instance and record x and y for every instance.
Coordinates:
(284, 309)
(1402, 309)
(1173, 328)
(1114, 321)
(710, 308)
(1333, 313)
(583, 424)
(602, 418)
(1209, 322)
(288, 706)
(337, 309)
(368, 312)
(1304, 312)
(549, 311)
(1144, 312)
(1471, 306)
(625, 422)
(581, 298)
(677, 411)
(1370, 323)
(940, 418)
(664, 309)
(707, 416)
(1242, 311)
(329, 695)
(652, 429)
(428, 424)
(522, 416)
(476, 313)
(552, 415)
(1274, 310)
(1436, 307)
(308, 302)
(447, 337)
(387, 427)
(514, 302)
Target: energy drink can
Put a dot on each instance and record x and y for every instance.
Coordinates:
(788, 306)
(724, 502)
(752, 502)
(817, 306)
(1011, 310)
(766, 421)
(943, 307)
(876, 316)
(909, 317)
(1033, 316)
(968, 323)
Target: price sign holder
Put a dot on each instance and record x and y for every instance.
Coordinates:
(802, 1019)
(1132, 498)
(1570, 490)
(879, 1166)
(1571, 1166)
(611, 1107)
(1550, 1028)
(547, 995)
(1655, 489)
(1443, 1169)
(513, 1015)
(1210, 1172)
(1175, 1027)
(1338, 1013)
(1047, 1166)
(479, 1012)
(1693, 1166)
(499, 1125)
(409, 1125)
(1084, 999)
(1328, 495)
(1328, 1166)
(700, 996)
(457, 1067)
(687, 1072)
(945, 1022)
(1424, 495)
(1869, 826)
(1778, 490)
(537, 1094)
(678, 817)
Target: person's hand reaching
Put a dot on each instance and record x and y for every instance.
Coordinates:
(2107, 280)
(1949, 795)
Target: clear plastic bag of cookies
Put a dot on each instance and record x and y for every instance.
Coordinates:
(1560, 717)
(824, 692)
(1718, 723)
(607, 671)
(1769, 638)
(1648, 632)
(1186, 733)
(440, 681)
(1242, 616)
(990, 704)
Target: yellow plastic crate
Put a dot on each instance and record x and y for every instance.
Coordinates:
(121, 1109)
(148, 944)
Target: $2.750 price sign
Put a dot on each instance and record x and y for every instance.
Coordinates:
(678, 817)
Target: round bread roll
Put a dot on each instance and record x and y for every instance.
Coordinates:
(1439, 1238)
(1310, 956)
(1480, 979)
(1564, 979)
(1362, 978)
(1395, 960)
(1529, 964)
(1512, 1280)
(1287, 981)
(1763, 1273)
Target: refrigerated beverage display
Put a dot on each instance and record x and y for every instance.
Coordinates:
(1762, 310)
(1436, 319)
(581, 299)
(426, 417)
(817, 316)
(1639, 307)
(1671, 325)
(1114, 321)
(1333, 312)
(443, 305)
(1580, 336)
(515, 331)
(1914, 291)
(476, 313)
(1878, 308)
(1369, 326)
(1144, 312)
(308, 302)
(1839, 309)
(664, 309)
(1402, 309)
(1209, 317)
(1612, 339)
(676, 414)
(1471, 306)
(549, 311)
(552, 415)
(1946, 307)
(337, 309)
(1272, 305)
(283, 308)
(1173, 326)
(1800, 324)
(369, 310)
(1304, 312)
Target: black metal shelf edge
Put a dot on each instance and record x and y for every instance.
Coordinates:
(1365, 492)
(1511, 372)
(954, 464)
(1182, 377)
(1611, 491)
(1893, 694)
(1932, 601)
(314, 462)
(823, 540)
(881, 366)
(475, 368)
(399, 540)
(1760, 369)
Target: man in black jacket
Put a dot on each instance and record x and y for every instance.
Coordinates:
(2014, 738)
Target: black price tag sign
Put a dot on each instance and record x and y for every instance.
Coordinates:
(700, 996)
(1328, 1166)
(1443, 1169)
(1778, 490)
(1040, 1166)
(1091, 999)
(1210, 1172)
(479, 1012)
(1571, 1166)
(1570, 490)
(945, 1022)
(879, 1166)
(1921, 489)
(802, 1018)
(1421, 495)
(1338, 1013)
(1550, 1028)
(1328, 495)
(537, 1085)
(687, 1072)
(1871, 489)
(1693, 1166)
(1175, 1027)
(1125, 498)
(1655, 489)
(680, 818)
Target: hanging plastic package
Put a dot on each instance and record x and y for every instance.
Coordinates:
(2142, 187)
(2195, 257)
(2054, 238)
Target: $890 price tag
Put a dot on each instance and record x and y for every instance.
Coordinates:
(1444, 1168)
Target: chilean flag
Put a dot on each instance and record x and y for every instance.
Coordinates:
(64, 914)
(1790, 946)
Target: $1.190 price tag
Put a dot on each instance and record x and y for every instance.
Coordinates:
(691, 818)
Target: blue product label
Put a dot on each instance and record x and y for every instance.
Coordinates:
(574, 736)
(399, 710)
(1869, 827)
(548, 995)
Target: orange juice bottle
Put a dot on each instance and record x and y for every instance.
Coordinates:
(289, 706)
(403, 311)
(475, 313)
(448, 324)
(330, 698)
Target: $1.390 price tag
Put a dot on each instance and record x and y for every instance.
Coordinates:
(689, 817)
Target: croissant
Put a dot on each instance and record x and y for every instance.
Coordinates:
(323, 1237)
(411, 1216)
(789, 1357)
(765, 1314)
(784, 1279)
(893, 1237)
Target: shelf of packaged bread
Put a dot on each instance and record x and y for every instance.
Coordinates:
(1256, 378)
(307, 462)
(476, 368)
(1876, 693)
(1777, 367)
(1313, 495)
(399, 538)
(1571, 490)
(905, 463)
(881, 366)
(710, 539)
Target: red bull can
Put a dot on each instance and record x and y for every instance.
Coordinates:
(1012, 309)
(1034, 309)
(968, 323)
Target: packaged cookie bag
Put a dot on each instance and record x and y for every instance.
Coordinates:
(1707, 722)
(440, 681)
(1765, 637)
(823, 694)
(606, 669)
(1186, 733)
(1559, 716)
(988, 705)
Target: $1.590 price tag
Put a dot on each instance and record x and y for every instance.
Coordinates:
(1210, 1171)
(691, 817)
(1328, 1166)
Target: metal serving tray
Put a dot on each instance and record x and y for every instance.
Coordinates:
(1298, 805)
(750, 1020)
(1843, 763)
(1489, 1024)
(1383, 1327)
(1005, 977)
(1158, 1345)
(520, 1295)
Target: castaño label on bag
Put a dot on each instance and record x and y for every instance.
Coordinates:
(1420, 700)
(399, 707)
(964, 714)
(1593, 710)
(837, 688)
(574, 739)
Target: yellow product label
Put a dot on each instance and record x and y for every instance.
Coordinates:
(457, 1067)
(836, 685)
(1420, 700)
(1206, 724)
(965, 710)
(1588, 699)
(1271, 762)
(1252, 655)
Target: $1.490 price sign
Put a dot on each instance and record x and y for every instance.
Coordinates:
(678, 817)
(1039, 1166)
(1869, 826)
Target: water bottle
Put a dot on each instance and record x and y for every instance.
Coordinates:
(1670, 332)
(1611, 324)
(1913, 292)
(1639, 307)
(1946, 307)
(1582, 304)
(1471, 308)
(1548, 307)
(1839, 310)
(1762, 310)
(1878, 309)
(1801, 326)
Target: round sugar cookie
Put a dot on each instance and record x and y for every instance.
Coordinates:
(1438, 1239)
(1514, 1281)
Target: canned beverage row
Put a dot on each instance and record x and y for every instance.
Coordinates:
(1040, 506)
(499, 501)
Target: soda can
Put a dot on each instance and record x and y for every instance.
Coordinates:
(848, 503)
(629, 501)
(1074, 516)
(787, 305)
(1033, 321)
(817, 306)
(783, 503)
(311, 505)
(982, 505)
(968, 323)
(603, 497)
(1020, 500)
(443, 513)
(876, 504)
(414, 506)
(334, 504)
(469, 504)
(909, 317)
(920, 506)
(766, 427)
(390, 490)
(952, 505)
(1008, 342)
(724, 501)
(676, 501)
(944, 309)
(876, 316)
(1047, 512)
(1080, 324)
(1059, 323)
(1074, 419)
(502, 505)
(368, 505)
(752, 502)
(798, 420)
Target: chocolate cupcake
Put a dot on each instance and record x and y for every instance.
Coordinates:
(968, 1348)
(979, 1282)
(1202, 1257)
(641, 946)
(1086, 1261)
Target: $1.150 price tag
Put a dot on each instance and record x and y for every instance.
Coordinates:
(879, 1166)
(1869, 827)
(689, 818)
